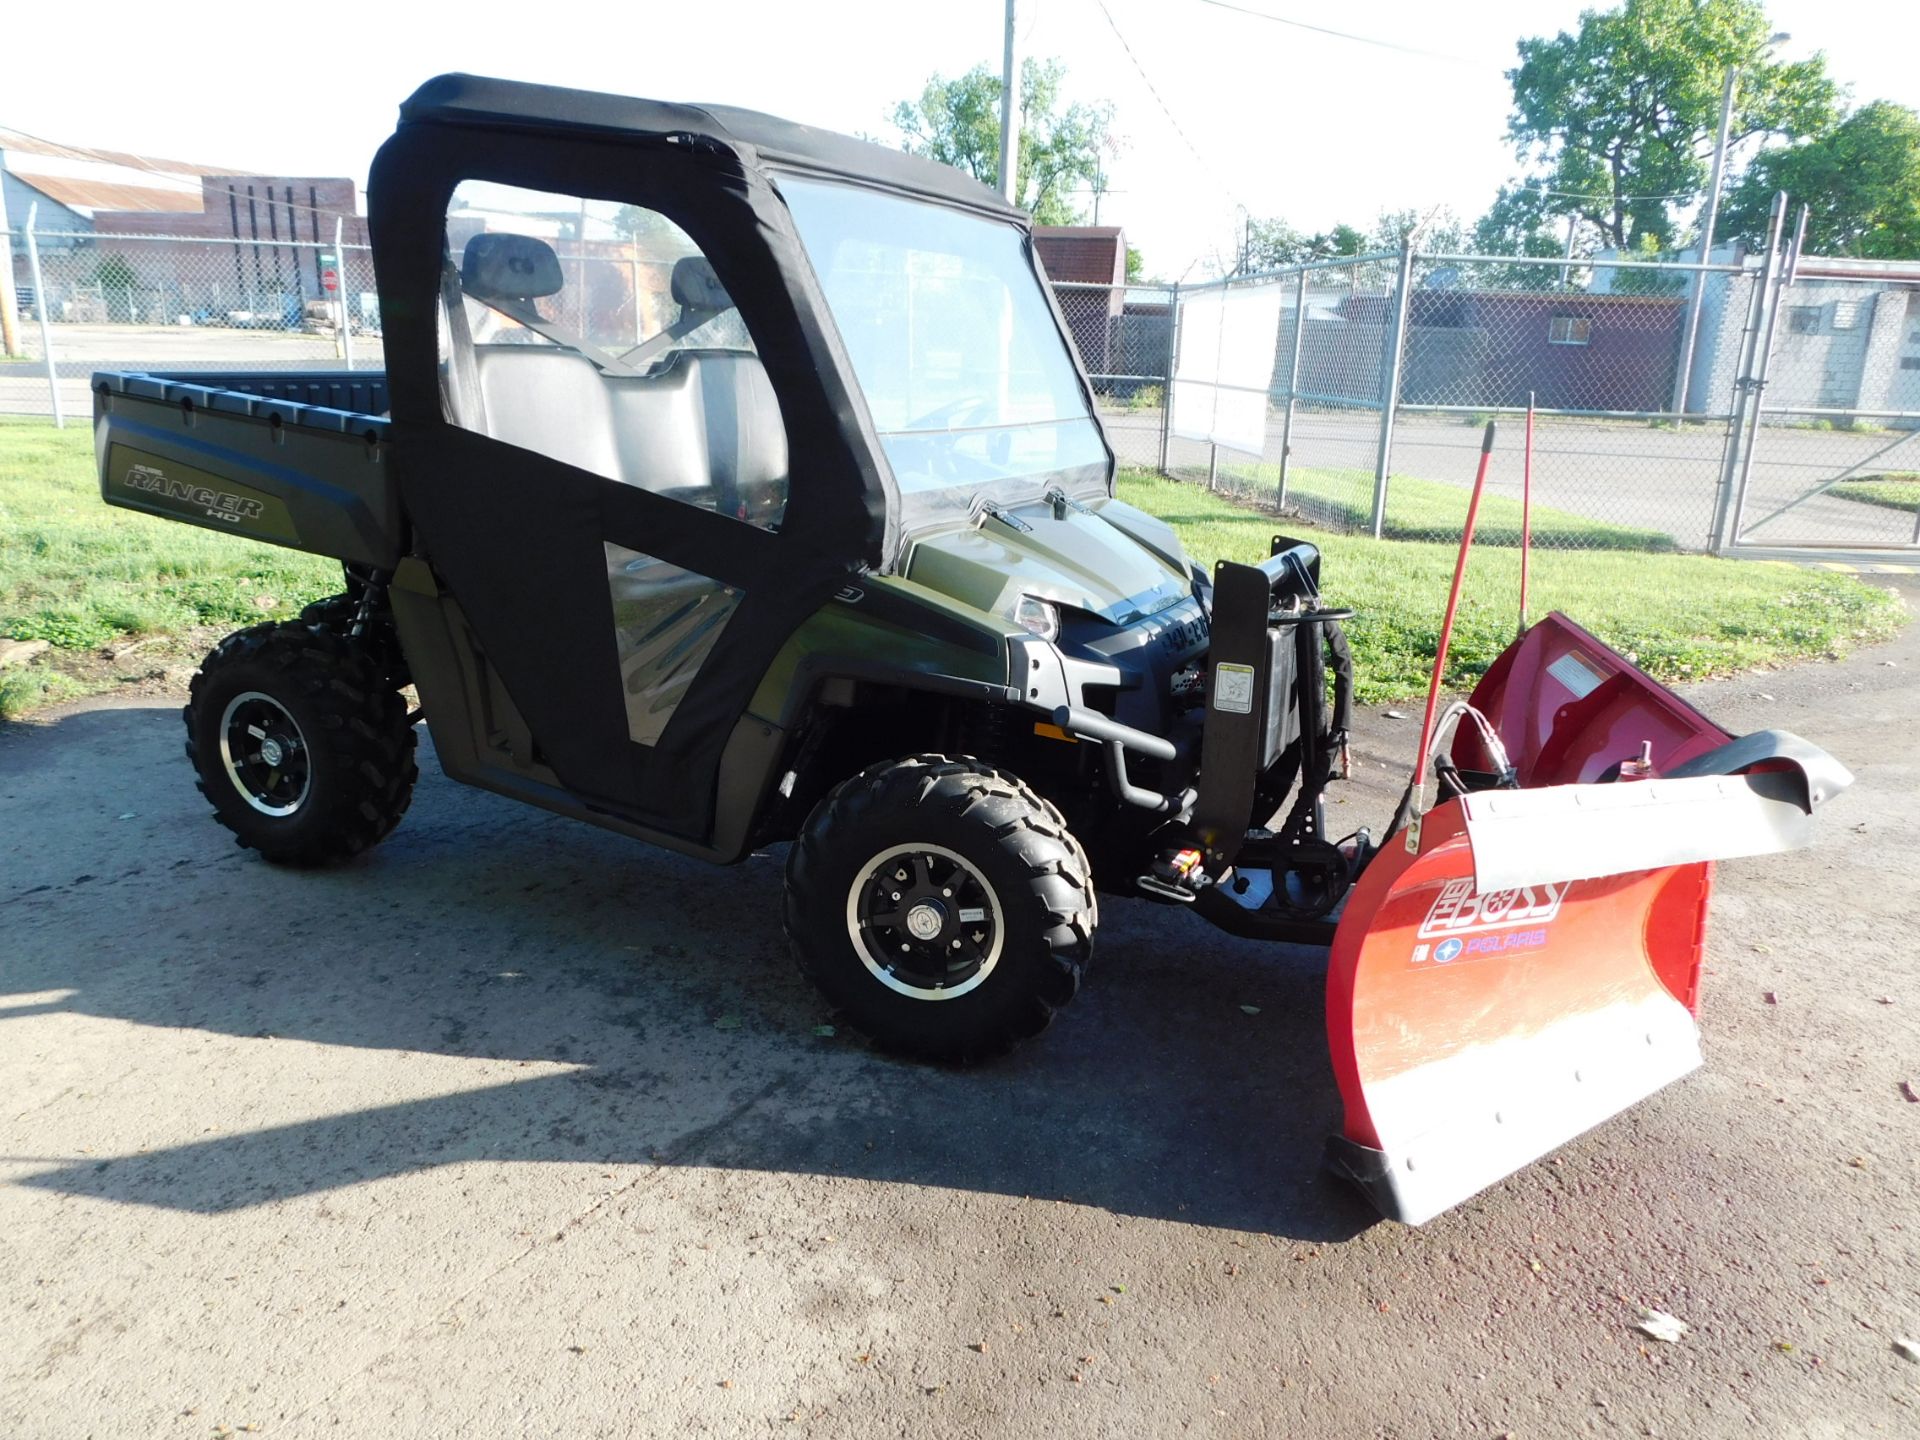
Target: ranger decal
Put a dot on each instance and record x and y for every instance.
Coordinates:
(218, 504)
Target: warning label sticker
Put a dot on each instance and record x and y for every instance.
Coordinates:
(1233, 689)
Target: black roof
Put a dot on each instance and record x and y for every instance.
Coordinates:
(478, 100)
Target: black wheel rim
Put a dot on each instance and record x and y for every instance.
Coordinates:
(264, 754)
(925, 922)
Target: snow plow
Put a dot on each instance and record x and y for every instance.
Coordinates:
(777, 509)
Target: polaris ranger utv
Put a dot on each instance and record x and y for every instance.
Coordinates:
(731, 482)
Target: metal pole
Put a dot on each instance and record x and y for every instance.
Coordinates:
(1213, 464)
(1573, 229)
(40, 309)
(1526, 516)
(346, 310)
(9, 301)
(1010, 108)
(1173, 359)
(1777, 267)
(1390, 394)
(1683, 381)
(1293, 382)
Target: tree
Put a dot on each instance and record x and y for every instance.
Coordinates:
(1136, 265)
(1441, 234)
(957, 122)
(1861, 182)
(1519, 222)
(1273, 244)
(1621, 116)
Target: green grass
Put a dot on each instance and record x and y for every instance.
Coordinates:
(1899, 491)
(1427, 510)
(1679, 617)
(81, 576)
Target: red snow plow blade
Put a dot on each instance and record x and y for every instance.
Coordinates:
(1529, 965)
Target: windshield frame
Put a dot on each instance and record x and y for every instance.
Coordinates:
(918, 508)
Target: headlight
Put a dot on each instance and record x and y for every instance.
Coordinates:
(1037, 617)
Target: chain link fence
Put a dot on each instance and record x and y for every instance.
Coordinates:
(1795, 425)
(1657, 422)
(88, 301)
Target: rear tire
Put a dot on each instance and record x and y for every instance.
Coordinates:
(942, 906)
(301, 743)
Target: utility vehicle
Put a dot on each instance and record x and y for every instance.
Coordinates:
(730, 482)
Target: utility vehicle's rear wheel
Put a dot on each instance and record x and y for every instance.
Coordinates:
(300, 743)
(941, 905)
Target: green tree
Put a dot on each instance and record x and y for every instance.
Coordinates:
(1519, 222)
(957, 122)
(1620, 116)
(1136, 265)
(1861, 182)
(1441, 231)
(1273, 244)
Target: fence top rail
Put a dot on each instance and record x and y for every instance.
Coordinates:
(1288, 272)
(1558, 262)
(1150, 286)
(283, 241)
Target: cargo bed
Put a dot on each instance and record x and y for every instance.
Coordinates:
(294, 458)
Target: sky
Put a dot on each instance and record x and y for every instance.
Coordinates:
(1217, 111)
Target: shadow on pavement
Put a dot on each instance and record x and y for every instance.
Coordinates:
(486, 931)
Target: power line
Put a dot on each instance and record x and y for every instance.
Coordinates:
(1342, 34)
(1164, 109)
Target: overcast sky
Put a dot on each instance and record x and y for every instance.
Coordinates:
(1215, 109)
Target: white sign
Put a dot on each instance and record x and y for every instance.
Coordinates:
(1224, 369)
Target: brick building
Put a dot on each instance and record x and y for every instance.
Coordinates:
(259, 238)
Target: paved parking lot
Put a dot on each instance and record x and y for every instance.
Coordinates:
(1627, 473)
(517, 1127)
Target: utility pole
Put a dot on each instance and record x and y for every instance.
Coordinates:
(1010, 108)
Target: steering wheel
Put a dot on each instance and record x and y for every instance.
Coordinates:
(945, 419)
(942, 417)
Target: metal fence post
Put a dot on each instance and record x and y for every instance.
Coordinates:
(1784, 273)
(9, 302)
(1173, 359)
(1293, 380)
(1719, 537)
(40, 309)
(346, 291)
(1390, 392)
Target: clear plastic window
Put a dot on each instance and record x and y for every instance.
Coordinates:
(596, 333)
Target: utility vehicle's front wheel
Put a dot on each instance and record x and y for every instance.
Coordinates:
(941, 905)
(300, 743)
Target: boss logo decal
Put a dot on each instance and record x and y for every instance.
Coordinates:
(1457, 910)
(218, 504)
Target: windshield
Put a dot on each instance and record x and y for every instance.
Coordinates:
(964, 370)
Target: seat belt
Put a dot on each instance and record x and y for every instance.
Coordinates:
(523, 313)
(689, 322)
(464, 402)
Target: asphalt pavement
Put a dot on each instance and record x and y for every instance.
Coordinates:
(517, 1127)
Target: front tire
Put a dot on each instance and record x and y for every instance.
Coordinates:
(942, 906)
(300, 743)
